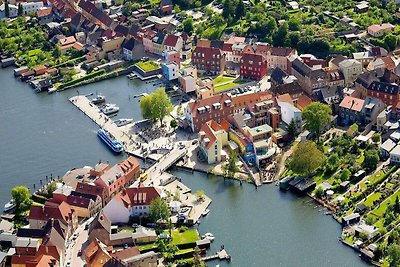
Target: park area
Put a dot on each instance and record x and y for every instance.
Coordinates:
(224, 82)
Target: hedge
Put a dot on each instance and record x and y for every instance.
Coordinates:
(84, 78)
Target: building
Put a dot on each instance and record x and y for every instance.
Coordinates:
(309, 78)
(173, 56)
(173, 43)
(212, 139)
(96, 254)
(387, 147)
(253, 66)
(289, 112)
(170, 71)
(131, 202)
(166, 7)
(208, 60)
(31, 7)
(377, 30)
(188, 83)
(132, 49)
(276, 57)
(351, 110)
(45, 15)
(13, 11)
(395, 155)
(350, 68)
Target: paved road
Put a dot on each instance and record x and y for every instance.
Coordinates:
(73, 247)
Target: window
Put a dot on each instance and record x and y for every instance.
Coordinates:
(81, 186)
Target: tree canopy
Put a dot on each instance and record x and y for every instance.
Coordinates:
(316, 116)
(230, 167)
(394, 255)
(21, 197)
(159, 210)
(156, 105)
(306, 158)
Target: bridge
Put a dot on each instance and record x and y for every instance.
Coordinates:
(165, 162)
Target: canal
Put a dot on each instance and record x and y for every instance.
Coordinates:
(44, 134)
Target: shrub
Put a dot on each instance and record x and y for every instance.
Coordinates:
(182, 229)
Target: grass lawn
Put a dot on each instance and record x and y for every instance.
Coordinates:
(222, 79)
(226, 86)
(189, 236)
(148, 65)
(147, 246)
(379, 211)
(370, 200)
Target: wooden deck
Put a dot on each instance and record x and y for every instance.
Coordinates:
(221, 255)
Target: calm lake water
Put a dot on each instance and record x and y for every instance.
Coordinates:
(43, 134)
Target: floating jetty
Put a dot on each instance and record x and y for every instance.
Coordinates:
(221, 255)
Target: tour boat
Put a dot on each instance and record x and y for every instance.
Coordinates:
(205, 212)
(99, 99)
(110, 109)
(9, 205)
(123, 122)
(208, 236)
(110, 140)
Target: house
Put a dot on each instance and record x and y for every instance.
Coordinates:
(158, 44)
(395, 155)
(253, 66)
(351, 110)
(45, 15)
(288, 111)
(364, 228)
(131, 202)
(382, 62)
(173, 42)
(350, 219)
(12, 13)
(377, 30)
(309, 78)
(372, 108)
(132, 49)
(39, 216)
(386, 147)
(208, 60)
(166, 7)
(83, 206)
(276, 57)
(170, 71)
(363, 57)
(293, 5)
(212, 139)
(131, 257)
(31, 7)
(96, 254)
(361, 7)
(173, 56)
(350, 68)
(188, 83)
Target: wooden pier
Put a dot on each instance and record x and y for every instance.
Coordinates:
(221, 255)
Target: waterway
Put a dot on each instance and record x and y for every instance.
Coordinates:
(43, 134)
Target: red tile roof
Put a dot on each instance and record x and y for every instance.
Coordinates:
(135, 196)
(171, 40)
(285, 98)
(126, 253)
(50, 210)
(303, 101)
(208, 133)
(193, 106)
(44, 12)
(67, 40)
(352, 103)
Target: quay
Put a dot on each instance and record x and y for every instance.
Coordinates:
(221, 255)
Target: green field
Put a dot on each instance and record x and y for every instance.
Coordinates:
(148, 65)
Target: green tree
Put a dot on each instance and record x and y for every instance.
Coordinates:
(306, 158)
(188, 25)
(20, 10)
(200, 195)
(240, 10)
(397, 205)
(316, 115)
(197, 257)
(159, 210)
(156, 106)
(294, 24)
(51, 188)
(391, 41)
(177, 196)
(230, 167)
(344, 175)
(21, 197)
(57, 51)
(371, 159)
(394, 255)
(173, 123)
(376, 137)
(319, 192)
(279, 37)
(292, 129)
(6, 9)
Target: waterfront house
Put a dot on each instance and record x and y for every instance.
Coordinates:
(131, 257)
(173, 56)
(173, 43)
(188, 83)
(364, 228)
(212, 139)
(170, 71)
(350, 219)
(132, 49)
(131, 202)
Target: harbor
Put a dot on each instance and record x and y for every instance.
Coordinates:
(57, 134)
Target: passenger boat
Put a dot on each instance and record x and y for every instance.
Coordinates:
(205, 212)
(123, 122)
(99, 99)
(110, 109)
(110, 140)
(9, 205)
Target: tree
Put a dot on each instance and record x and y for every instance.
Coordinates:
(292, 129)
(197, 257)
(6, 9)
(240, 10)
(20, 10)
(316, 115)
(294, 24)
(230, 167)
(391, 41)
(344, 175)
(200, 195)
(21, 197)
(394, 255)
(371, 159)
(173, 124)
(159, 210)
(279, 37)
(177, 196)
(397, 205)
(319, 192)
(306, 158)
(51, 188)
(188, 25)
(57, 51)
(376, 137)
(156, 105)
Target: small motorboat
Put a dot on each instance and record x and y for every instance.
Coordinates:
(98, 99)
(123, 122)
(110, 109)
(205, 212)
(208, 236)
(9, 205)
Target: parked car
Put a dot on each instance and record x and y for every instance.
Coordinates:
(194, 142)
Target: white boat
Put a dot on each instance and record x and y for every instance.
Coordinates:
(123, 122)
(98, 99)
(9, 205)
(110, 109)
(208, 236)
(205, 212)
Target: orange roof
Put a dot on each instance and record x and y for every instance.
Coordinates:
(236, 40)
(136, 196)
(67, 40)
(77, 46)
(225, 124)
(303, 101)
(91, 249)
(126, 253)
(208, 133)
(352, 103)
(285, 98)
(44, 12)
(203, 43)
